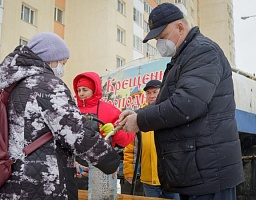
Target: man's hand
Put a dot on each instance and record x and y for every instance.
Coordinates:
(123, 115)
(129, 180)
(107, 128)
(128, 119)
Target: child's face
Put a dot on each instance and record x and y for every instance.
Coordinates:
(84, 92)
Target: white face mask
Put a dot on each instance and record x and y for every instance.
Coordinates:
(59, 70)
(166, 47)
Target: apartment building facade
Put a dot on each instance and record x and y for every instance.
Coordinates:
(103, 35)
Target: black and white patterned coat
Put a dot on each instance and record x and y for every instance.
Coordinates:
(39, 103)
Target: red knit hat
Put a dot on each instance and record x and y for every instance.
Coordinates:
(86, 82)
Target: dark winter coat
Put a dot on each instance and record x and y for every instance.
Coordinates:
(196, 135)
(39, 103)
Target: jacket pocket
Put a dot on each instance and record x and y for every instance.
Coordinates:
(179, 168)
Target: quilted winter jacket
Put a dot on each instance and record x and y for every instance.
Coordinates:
(39, 103)
(196, 135)
(148, 160)
(104, 111)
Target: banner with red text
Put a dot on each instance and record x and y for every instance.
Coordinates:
(124, 88)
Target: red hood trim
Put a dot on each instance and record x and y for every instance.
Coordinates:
(93, 100)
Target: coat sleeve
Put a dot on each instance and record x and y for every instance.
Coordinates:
(195, 88)
(123, 138)
(72, 130)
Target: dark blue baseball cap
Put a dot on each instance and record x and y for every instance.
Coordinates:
(152, 83)
(160, 17)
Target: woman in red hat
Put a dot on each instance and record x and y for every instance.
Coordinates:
(88, 92)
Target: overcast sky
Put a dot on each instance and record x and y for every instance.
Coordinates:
(245, 35)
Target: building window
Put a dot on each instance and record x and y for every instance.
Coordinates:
(58, 15)
(23, 42)
(184, 2)
(192, 12)
(229, 24)
(120, 35)
(1, 3)
(147, 8)
(137, 17)
(230, 11)
(28, 14)
(231, 41)
(145, 26)
(231, 57)
(149, 49)
(120, 6)
(119, 62)
(137, 43)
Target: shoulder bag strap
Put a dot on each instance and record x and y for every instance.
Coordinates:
(38, 143)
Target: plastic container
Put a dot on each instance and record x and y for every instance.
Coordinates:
(101, 186)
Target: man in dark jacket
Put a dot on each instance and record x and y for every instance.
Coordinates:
(196, 136)
(39, 103)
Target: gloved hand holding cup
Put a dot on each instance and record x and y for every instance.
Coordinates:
(106, 128)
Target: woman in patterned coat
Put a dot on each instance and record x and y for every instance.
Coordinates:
(41, 102)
